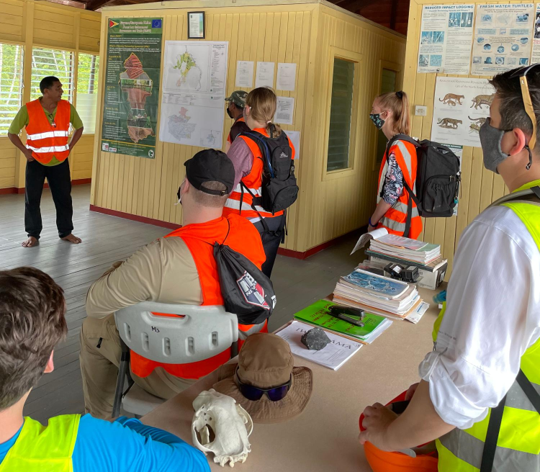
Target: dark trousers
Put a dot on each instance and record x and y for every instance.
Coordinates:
(59, 181)
(271, 237)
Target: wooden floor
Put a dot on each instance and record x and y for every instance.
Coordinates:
(107, 239)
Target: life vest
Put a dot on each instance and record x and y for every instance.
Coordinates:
(44, 139)
(394, 220)
(242, 237)
(229, 138)
(518, 444)
(240, 200)
(44, 448)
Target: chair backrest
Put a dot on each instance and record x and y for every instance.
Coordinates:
(199, 333)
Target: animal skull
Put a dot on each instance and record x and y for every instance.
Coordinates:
(230, 423)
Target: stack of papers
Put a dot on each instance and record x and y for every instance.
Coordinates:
(318, 315)
(380, 295)
(399, 247)
(333, 356)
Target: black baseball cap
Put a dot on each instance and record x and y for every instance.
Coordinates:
(210, 165)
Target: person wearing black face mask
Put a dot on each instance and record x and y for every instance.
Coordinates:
(235, 109)
(479, 396)
(390, 114)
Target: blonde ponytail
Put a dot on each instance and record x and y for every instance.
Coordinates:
(263, 104)
(398, 103)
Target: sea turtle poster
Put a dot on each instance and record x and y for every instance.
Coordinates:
(194, 81)
(130, 108)
(502, 37)
(460, 109)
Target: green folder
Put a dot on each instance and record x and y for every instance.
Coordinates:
(317, 314)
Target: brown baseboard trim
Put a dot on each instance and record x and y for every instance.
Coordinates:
(129, 216)
(20, 191)
(8, 191)
(282, 251)
(320, 247)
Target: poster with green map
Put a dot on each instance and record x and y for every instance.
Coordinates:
(130, 110)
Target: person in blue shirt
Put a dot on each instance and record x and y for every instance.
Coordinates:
(32, 323)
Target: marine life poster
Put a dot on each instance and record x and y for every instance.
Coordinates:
(461, 107)
(130, 108)
(446, 38)
(502, 37)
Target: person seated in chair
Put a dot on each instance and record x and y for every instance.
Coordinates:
(32, 323)
(177, 269)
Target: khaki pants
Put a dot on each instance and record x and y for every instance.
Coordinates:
(100, 359)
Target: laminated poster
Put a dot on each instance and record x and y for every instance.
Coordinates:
(460, 109)
(194, 81)
(536, 34)
(502, 38)
(132, 78)
(445, 39)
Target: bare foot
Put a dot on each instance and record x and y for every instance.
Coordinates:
(70, 238)
(30, 242)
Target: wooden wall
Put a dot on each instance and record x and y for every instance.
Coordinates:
(43, 24)
(303, 32)
(480, 187)
(333, 204)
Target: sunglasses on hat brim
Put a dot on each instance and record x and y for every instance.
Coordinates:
(527, 102)
(253, 393)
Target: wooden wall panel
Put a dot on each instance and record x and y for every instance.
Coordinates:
(337, 203)
(479, 187)
(12, 20)
(299, 33)
(44, 24)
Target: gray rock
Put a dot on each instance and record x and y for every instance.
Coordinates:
(315, 339)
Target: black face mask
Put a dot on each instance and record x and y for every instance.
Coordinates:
(229, 113)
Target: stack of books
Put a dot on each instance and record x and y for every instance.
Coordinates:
(380, 295)
(319, 314)
(406, 249)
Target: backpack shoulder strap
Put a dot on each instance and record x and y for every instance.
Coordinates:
(534, 192)
(401, 137)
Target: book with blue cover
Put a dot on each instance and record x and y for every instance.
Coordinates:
(376, 284)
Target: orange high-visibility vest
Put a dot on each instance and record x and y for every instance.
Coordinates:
(240, 200)
(229, 139)
(45, 139)
(395, 218)
(242, 237)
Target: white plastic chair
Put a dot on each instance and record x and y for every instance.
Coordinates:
(200, 333)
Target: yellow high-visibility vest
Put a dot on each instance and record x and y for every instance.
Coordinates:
(518, 444)
(44, 448)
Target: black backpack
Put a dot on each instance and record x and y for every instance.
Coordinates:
(437, 179)
(246, 291)
(279, 189)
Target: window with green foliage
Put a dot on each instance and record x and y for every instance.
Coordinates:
(388, 84)
(341, 118)
(87, 88)
(11, 64)
(46, 62)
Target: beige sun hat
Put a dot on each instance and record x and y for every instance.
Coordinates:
(265, 361)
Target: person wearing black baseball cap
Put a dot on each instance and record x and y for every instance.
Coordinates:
(178, 269)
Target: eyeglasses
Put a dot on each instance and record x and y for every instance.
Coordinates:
(253, 393)
(527, 102)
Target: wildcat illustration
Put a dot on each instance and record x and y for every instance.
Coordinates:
(476, 123)
(450, 123)
(451, 98)
(480, 100)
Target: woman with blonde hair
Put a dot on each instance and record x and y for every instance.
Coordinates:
(247, 158)
(397, 176)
